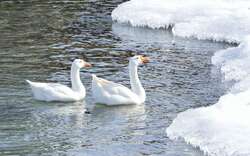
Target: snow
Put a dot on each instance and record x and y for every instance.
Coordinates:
(222, 129)
(218, 20)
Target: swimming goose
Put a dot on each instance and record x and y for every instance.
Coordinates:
(59, 92)
(110, 93)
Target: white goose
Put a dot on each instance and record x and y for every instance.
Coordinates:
(110, 93)
(59, 92)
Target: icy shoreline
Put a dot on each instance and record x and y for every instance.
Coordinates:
(223, 128)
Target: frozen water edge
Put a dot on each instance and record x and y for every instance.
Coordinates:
(218, 20)
(221, 129)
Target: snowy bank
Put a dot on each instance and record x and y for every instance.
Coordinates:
(222, 129)
(218, 20)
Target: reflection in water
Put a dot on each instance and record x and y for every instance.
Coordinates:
(116, 125)
(114, 118)
(38, 41)
(139, 35)
(57, 126)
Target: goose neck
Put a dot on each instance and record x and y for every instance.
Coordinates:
(135, 83)
(75, 79)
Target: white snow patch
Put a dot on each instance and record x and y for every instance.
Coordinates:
(219, 20)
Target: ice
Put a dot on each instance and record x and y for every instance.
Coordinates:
(218, 20)
(219, 130)
(222, 129)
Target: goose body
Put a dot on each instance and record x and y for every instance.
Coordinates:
(110, 93)
(59, 92)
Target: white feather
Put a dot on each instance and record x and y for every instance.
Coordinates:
(110, 93)
(59, 92)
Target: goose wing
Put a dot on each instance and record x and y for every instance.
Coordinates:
(112, 93)
(115, 88)
(51, 91)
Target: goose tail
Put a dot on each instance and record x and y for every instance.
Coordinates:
(28, 81)
(94, 77)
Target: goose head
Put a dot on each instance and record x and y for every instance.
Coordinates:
(79, 63)
(138, 60)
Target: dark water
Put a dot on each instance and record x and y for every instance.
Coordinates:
(38, 41)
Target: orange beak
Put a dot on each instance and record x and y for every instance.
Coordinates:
(144, 59)
(86, 64)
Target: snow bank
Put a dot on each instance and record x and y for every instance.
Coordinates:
(222, 129)
(219, 20)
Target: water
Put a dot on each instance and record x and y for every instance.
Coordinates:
(38, 41)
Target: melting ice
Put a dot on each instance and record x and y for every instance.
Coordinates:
(222, 129)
